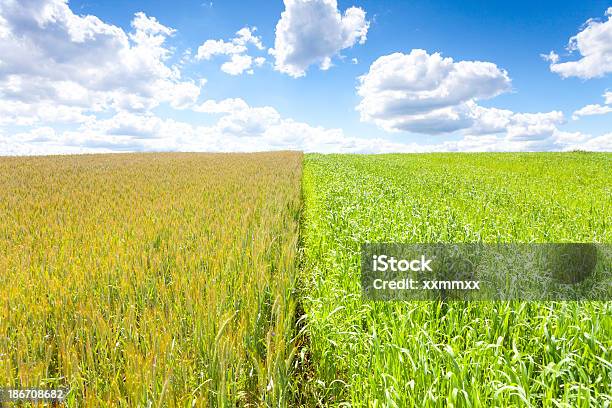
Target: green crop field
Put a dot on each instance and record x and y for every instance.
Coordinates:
(182, 279)
(452, 354)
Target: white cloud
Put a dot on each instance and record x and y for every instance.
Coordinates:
(533, 126)
(595, 109)
(241, 127)
(236, 49)
(129, 125)
(594, 43)
(237, 65)
(210, 48)
(4, 28)
(228, 105)
(429, 94)
(312, 32)
(249, 122)
(601, 143)
(426, 93)
(245, 36)
(14, 112)
(326, 64)
(512, 131)
(515, 126)
(51, 56)
(589, 110)
(244, 128)
(551, 57)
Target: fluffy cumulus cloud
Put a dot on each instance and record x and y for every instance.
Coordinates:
(430, 94)
(594, 44)
(16, 112)
(426, 93)
(590, 110)
(601, 143)
(518, 131)
(241, 127)
(54, 63)
(236, 49)
(595, 109)
(312, 32)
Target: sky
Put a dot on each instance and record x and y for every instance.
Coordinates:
(314, 75)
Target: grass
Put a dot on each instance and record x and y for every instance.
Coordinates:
(452, 354)
(150, 280)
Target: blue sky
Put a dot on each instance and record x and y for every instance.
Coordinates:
(488, 89)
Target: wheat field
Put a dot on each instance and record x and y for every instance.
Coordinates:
(150, 279)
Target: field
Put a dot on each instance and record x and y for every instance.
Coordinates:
(156, 278)
(182, 279)
(452, 354)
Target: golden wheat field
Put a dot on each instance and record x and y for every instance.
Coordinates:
(150, 279)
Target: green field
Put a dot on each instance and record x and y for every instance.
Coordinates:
(455, 354)
(233, 280)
